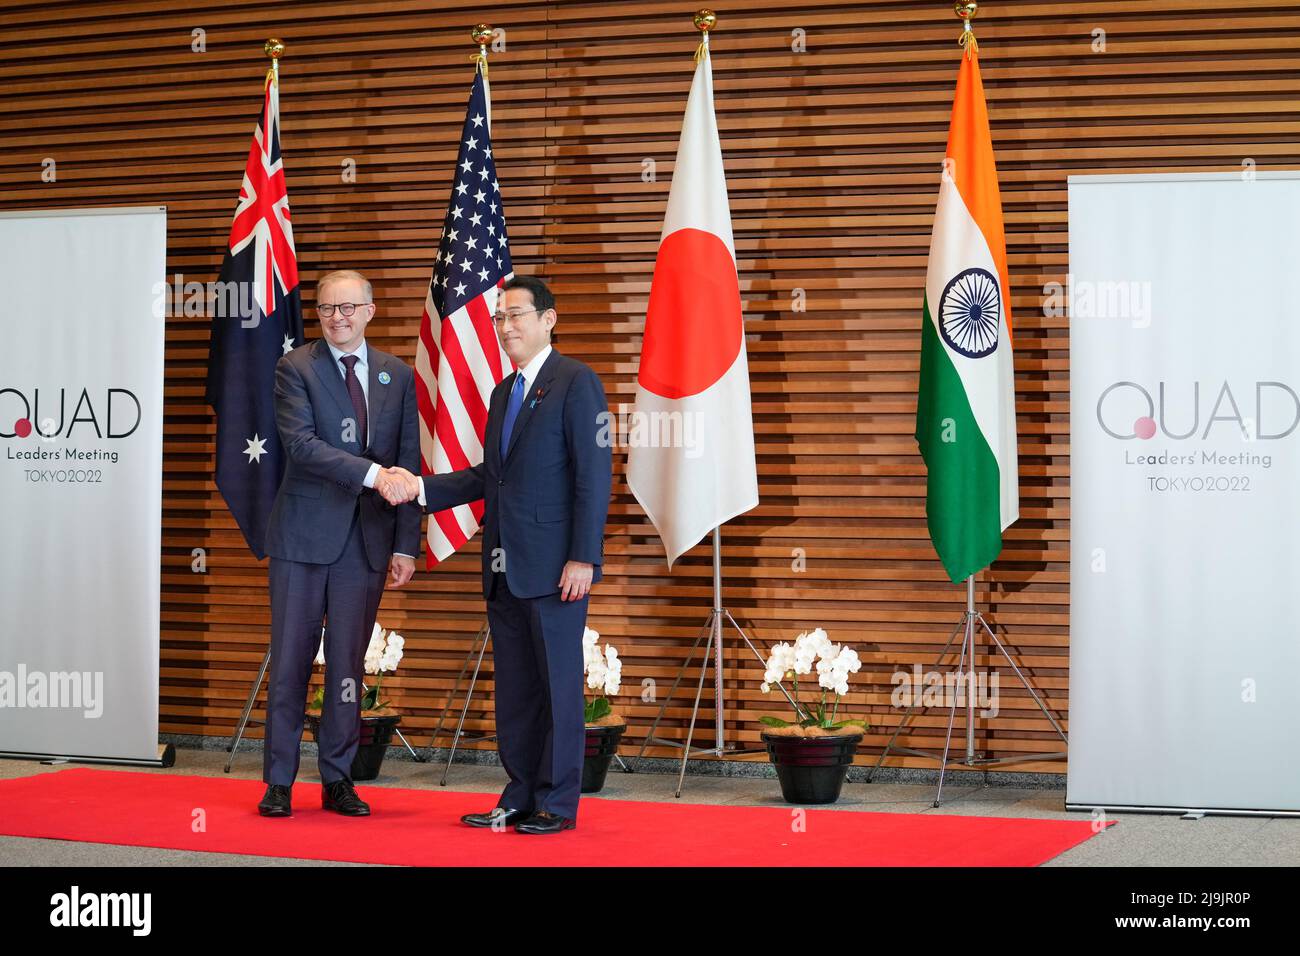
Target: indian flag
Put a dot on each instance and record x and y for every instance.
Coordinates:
(965, 410)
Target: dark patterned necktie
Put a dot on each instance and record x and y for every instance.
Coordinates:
(356, 394)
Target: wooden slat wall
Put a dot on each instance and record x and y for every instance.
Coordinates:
(832, 156)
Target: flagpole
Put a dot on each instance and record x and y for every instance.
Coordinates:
(966, 11)
(480, 34)
(971, 620)
(712, 629)
(274, 48)
(705, 21)
(717, 635)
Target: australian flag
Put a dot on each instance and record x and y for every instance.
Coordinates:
(257, 317)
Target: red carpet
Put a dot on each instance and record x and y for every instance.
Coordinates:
(422, 827)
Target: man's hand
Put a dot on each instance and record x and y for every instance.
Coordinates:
(397, 485)
(400, 570)
(575, 581)
(390, 486)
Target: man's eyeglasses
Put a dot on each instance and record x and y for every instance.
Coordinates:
(500, 317)
(326, 311)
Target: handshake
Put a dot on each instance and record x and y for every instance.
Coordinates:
(397, 485)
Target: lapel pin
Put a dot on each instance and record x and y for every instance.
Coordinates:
(384, 378)
(537, 397)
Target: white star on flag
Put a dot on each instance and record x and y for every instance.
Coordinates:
(459, 359)
(256, 449)
(288, 344)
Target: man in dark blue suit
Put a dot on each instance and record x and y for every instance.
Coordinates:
(345, 411)
(545, 484)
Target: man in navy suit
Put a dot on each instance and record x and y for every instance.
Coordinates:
(545, 484)
(344, 411)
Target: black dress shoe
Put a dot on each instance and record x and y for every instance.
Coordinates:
(276, 802)
(497, 817)
(544, 822)
(340, 797)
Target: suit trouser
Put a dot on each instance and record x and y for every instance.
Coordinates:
(346, 595)
(537, 662)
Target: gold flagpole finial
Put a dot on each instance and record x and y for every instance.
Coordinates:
(274, 48)
(705, 20)
(966, 10)
(481, 33)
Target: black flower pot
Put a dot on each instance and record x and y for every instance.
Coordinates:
(811, 769)
(376, 734)
(602, 745)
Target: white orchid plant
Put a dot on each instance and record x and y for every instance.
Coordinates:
(382, 657)
(813, 652)
(603, 671)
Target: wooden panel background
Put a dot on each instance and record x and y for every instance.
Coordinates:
(832, 156)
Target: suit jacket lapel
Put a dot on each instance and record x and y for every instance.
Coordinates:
(331, 376)
(496, 415)
(531, 399)
(378, 395)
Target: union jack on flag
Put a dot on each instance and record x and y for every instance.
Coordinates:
(257, 317)
(458, 359)
(262, 215)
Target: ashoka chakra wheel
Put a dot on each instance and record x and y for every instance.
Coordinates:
(970, 313)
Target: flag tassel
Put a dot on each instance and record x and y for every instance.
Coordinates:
(705, 20)
(966, 11)
(274, 48)
(481, 34)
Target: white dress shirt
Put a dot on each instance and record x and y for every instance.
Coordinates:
(362, 368)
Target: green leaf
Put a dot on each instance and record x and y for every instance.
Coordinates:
(773, 721)
(594, 710)
(848, 723)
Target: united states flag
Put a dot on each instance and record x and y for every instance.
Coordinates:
(459, 360)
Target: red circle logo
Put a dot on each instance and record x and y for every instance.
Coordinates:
(693, 328)
(22, 428)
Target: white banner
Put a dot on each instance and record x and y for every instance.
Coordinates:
(81, 397)
(1185, 465)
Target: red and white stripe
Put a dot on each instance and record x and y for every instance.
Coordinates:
(458, 361)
